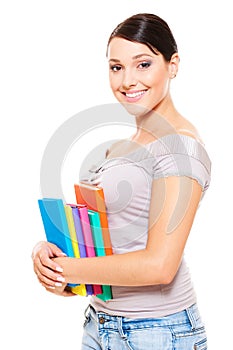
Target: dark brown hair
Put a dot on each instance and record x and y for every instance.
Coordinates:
(148, 29)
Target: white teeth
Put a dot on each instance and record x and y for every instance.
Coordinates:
(135, 94)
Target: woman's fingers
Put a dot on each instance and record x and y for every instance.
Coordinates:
(45, 260)
(47, 270)
(48, 276)
(54, 250)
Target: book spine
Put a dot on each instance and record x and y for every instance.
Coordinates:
(96, 232)
(79, 232)
(80, 239)
(70, 250)
(100, 202)
(87, 234)
(86, 229)
(89, 245)
(99, 248)
(72, 231)
(77, 289)
(55, 224)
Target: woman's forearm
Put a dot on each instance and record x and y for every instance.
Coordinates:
(130, 269)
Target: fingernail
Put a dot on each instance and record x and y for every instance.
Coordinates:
(59, 269)
(57, 284)
(51, 287)
(61, 279)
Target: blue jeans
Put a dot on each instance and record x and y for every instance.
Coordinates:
(180, 331)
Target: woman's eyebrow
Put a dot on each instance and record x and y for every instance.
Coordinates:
(113, 60)
(133, 58)
(141, 55)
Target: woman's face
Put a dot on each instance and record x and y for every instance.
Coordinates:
(138, 77)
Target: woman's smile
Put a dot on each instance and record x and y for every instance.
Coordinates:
(134, 95)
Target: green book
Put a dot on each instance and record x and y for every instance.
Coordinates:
(96, 229)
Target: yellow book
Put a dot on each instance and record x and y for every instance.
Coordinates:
(81, 288)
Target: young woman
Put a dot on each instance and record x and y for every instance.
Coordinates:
(163, 171)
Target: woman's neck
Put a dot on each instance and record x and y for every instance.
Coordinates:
(160, 121)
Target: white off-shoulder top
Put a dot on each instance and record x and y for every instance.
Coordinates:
(127, 181)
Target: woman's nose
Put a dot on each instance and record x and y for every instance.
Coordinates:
(129, 79)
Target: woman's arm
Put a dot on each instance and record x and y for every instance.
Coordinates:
(174, 201)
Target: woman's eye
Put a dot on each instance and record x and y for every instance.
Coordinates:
(115, 68)
(144, 65)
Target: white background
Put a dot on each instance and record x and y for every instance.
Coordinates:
(53, 66)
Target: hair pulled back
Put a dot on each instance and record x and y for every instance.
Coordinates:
(148, 29)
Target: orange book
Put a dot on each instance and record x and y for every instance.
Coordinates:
(93, 197)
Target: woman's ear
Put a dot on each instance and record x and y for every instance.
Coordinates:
(173, 65)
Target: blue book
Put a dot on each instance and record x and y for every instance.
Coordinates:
(55, 225)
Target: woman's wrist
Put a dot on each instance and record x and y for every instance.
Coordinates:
(68, 268)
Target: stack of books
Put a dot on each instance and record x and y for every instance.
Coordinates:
(80, 230)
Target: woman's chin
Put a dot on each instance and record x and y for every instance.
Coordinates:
(135, 109)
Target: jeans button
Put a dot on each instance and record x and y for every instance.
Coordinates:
(101, 320)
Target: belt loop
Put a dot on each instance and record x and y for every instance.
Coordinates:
(86, 311)
(120, 329)
(191, 317)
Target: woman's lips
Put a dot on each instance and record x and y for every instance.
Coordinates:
(134, 95)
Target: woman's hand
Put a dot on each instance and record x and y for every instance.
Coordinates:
(48, 271)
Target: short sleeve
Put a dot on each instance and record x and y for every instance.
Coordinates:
(181, 165)
(181, 155)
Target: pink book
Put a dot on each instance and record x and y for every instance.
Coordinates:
(88, 240)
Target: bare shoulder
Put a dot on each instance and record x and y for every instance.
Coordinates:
(187, 128)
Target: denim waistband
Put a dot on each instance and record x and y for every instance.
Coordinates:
(189, 315)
